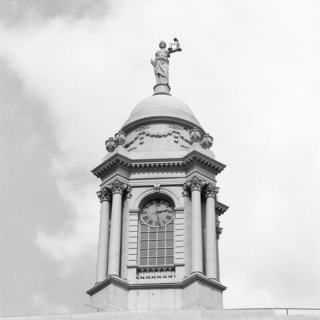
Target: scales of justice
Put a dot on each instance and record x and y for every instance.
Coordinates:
(161, 61)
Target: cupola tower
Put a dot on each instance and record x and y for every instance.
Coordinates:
(159, 223)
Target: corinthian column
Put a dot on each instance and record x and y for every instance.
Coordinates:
(211, 241)
(116, 188)
(195, 184)
(105, 198)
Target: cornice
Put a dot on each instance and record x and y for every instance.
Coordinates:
(221, 208)
(161, 285)
(122, 158)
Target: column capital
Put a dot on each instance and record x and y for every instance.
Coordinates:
(117, 186)
(195, 184)
(186, 190)
(104, 194)
(211, 190)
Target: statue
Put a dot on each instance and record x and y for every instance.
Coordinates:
(161, 61)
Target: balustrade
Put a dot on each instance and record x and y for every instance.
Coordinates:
(156, 273)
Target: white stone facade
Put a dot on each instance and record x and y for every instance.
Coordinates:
(159, 156)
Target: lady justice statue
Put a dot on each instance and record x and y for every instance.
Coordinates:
(161, 61)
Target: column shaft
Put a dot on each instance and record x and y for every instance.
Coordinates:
(197, 265)
(211, 240)
(115, 235)
(103, 241)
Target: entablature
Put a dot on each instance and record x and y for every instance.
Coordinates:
(147, 160)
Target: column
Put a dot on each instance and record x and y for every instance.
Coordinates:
(105, 198)
(211, 240)
(195, 184)
(116, 188)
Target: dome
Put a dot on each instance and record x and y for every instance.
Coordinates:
(161, 107)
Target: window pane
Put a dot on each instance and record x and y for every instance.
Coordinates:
(156, 244)
(153, 236)
(170, 227)
(144, 244)
(169, 260)
(152, 244)
(161, 244)
(170, 235)
(169, 252)
(160, 261)
(144, 253)
(144, 236)
(161, 236)
(170, 243)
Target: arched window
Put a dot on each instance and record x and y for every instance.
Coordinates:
(156, 241)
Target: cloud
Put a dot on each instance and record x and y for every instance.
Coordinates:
(19, 13)
(76, 238)
(62, 63)
(75, 71)
(42, 305)
(249, 71)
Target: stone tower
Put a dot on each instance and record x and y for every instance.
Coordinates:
(159, 225)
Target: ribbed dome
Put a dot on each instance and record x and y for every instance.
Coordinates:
(161, 107)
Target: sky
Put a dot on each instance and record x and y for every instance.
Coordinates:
(70, 74)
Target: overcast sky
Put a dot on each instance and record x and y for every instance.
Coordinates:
(70, 74)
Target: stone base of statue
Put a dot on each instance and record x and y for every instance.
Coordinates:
(161, 89)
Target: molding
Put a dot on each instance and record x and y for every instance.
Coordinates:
(152, 192)
(195, 277)
(192, 157)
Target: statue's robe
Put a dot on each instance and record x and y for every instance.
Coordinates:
(161, 68)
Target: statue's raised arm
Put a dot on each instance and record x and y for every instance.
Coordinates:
(161, 61)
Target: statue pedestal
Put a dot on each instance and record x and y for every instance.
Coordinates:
(161, 89)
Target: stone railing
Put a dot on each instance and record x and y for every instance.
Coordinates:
(156, 273)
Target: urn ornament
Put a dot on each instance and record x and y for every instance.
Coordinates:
(195, 135)
(207, 141)
(120, 138)
(110, 144)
